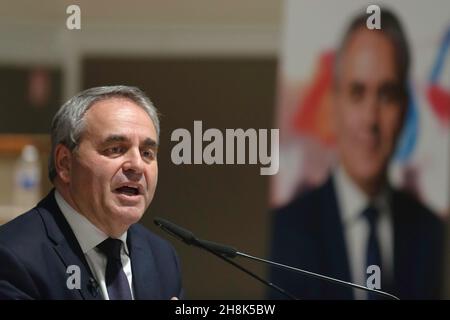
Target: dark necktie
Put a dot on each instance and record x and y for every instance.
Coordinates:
(116, 280)
(373, 247)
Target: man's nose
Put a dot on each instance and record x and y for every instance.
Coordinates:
(133, 166)
(372, 113)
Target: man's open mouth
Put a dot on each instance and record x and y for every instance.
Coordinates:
(129, 191)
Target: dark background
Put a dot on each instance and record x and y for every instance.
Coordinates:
(17, 112)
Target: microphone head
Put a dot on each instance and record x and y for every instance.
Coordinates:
(177, 231)
(224, 250)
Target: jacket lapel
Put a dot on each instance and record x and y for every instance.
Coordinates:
(334, 244)
(146, 284)
(67, 248)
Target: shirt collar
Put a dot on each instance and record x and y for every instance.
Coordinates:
(87, 234)
(352, 200)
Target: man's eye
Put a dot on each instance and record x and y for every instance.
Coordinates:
(386, 97)
(389, 96)
(356, 92)
(390, 93)
(115, 150)
(148, 154)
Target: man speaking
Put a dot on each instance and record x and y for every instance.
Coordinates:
(82, 241)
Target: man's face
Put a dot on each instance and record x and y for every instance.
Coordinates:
(369, 106)
(114, 170)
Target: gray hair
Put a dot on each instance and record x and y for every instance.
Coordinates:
(68, 123)
(392, 29)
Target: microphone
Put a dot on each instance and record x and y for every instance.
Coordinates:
(221, 251)
(224, 252)
(177, 231)
(189, 238)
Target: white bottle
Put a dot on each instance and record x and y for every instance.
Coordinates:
(27, 178)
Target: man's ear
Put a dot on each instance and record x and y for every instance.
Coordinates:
(63, 162)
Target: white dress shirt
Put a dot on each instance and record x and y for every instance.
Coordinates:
(351, 202)
(89, 236)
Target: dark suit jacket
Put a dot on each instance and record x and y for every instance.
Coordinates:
(308, 233)
(37, 247)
